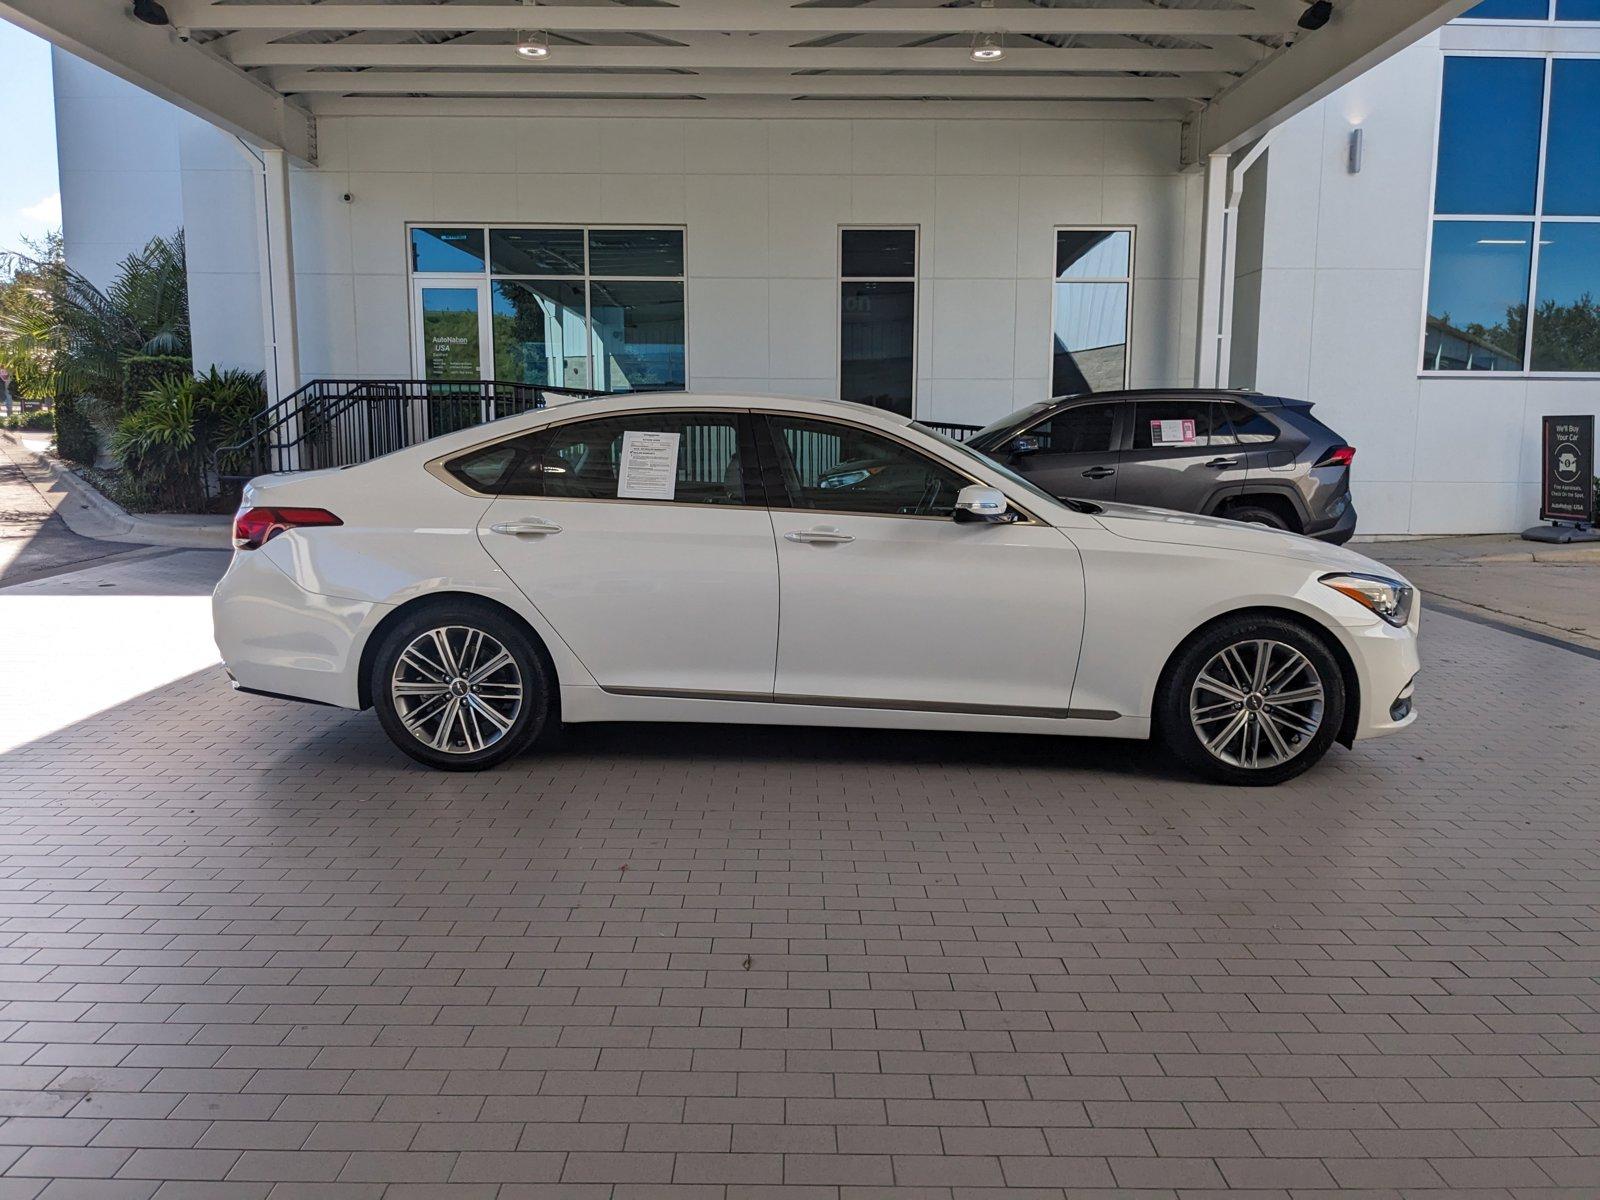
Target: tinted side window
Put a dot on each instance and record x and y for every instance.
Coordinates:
(488, 468)
(1088, 429)
(840, 468)
(1172, 424)
(1248, 427)
(586, 459)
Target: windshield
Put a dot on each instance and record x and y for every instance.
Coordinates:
(1010, 476)
(993, 433)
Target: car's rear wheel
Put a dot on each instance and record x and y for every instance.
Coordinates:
(1252, 700)
(460, 687)
(1255, 514)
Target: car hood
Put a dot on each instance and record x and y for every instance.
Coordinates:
(1186, 529)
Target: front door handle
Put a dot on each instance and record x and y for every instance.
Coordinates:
(824, 534)
(1099, 472)
(535, 525)
(1222, 464)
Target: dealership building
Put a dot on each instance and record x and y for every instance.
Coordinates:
(1391, 209)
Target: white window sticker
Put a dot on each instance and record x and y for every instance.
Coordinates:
(649, 469)
(1173, 433)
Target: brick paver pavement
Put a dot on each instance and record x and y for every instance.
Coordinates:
(247, 951)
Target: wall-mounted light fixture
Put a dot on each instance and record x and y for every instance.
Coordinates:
(1358, 146)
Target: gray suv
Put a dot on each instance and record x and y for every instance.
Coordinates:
(1261, 459)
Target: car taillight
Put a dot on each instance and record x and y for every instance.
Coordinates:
(255, 527)
(1339, 456)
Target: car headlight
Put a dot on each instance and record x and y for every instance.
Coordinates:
(1389, 598)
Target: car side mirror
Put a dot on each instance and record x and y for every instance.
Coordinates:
(976, 503)
(1021, 446)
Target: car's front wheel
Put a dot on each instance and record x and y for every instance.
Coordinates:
(1252, 700)
(460, 687)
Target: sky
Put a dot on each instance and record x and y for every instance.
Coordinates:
(30, 189)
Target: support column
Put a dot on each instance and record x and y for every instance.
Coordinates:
(1213, 275)
(283, 349)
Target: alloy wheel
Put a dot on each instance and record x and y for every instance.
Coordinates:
(1257, 704)
(456, 689)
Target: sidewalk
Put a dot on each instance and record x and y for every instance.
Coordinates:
(89, 514)
(1546, 589)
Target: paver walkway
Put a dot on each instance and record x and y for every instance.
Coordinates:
(248, 951)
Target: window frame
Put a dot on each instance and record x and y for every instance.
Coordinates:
(915, 279)
(748, 449)
(1055, 282)
(1537, 219)
(1121, 425)
(488, 276)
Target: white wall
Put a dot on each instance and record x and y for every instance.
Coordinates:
(1342, 292)
(762, 201)
(117, 149)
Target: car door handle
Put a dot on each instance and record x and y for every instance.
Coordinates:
(1099, 472)
(1222, 464)
(527, 525)
(822, 534)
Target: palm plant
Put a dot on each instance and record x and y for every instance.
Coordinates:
(62, 336)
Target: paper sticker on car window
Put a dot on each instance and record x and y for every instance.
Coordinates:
(649, 467)
(1173, 433)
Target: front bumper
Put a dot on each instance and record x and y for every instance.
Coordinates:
(276, 637)
(1387, 665)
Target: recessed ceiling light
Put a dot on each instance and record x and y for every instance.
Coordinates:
(987, 47)
(533, 45)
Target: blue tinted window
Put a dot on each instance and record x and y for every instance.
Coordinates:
(1478, 295)
(447, 249)
(1489, 135)
(1572, 162)
(1509, 10)
(1578, 10)
(1566, 317)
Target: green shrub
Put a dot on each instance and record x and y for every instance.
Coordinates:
(142, 372)
(38, 420)
(166, 440)
(76, 440)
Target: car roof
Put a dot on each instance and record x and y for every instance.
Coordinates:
(1244, 394)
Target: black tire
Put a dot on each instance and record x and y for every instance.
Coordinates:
(1178, 690)
(1255, 514)
(453, 749)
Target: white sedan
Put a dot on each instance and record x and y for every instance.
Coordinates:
(793, 562)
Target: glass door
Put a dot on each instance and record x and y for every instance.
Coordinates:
(452, 332)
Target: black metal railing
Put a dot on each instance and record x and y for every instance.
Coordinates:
(956, 433)
(340, 422)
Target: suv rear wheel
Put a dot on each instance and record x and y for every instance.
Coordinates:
(1252, 700)
(1257, 514)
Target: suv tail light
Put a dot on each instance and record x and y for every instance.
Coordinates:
(255, 527)
(1339, 456)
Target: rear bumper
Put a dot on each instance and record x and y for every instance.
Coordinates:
(275, 637)
(1338, 531)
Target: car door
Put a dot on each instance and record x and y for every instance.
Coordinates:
(887, 602)
(1177, 458)
(635, 536)
(1072, 452)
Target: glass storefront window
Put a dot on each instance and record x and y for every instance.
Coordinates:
(450, 333)
(1478, 295)
(1572, 170)
(538, 333)
(1509, 10)
(1091, 311)
(637, 334)
(1566, 317)
(629, 253)
(1489, 135)
(536, 251)
(877, 337)
(450, 251)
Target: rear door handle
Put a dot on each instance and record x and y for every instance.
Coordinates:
(823, 533)
(537, 525)
(1222, 464)
(1099, 472)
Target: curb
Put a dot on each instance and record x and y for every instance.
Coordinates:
(88, 513)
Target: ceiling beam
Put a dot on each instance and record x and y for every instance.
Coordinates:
(733, 55)
(182, 73)
(749, 106)
(726, 16)
(753, 83)
(1361, 34)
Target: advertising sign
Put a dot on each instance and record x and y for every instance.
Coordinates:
(1567, 490)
